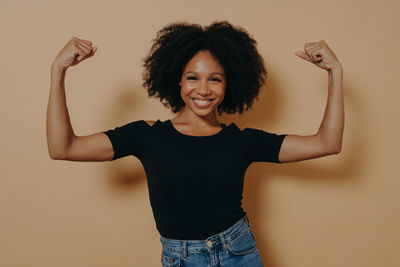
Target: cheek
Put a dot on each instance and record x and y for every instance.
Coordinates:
(186, 86)
(185, 92)
(221, 90)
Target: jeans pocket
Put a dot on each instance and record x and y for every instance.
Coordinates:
(170, 259)
(242, 244)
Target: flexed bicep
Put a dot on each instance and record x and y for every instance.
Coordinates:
(298, 147)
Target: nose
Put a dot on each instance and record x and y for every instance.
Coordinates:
(203, 88)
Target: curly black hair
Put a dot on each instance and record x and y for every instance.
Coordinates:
(234, 48)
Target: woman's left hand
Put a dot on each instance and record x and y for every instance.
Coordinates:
(321, 55)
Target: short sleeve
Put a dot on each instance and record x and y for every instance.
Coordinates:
(128, 139)
(263, 146)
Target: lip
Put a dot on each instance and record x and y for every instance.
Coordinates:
(206, 105)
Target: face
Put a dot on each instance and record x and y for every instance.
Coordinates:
(202, 84)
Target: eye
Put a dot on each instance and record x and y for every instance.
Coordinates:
(215, 79)
(191, 78)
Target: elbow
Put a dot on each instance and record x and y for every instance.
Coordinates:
(338, 148)
(330, 145)
(56, 156)
(57, 152)
(335, 150)
(53, 156)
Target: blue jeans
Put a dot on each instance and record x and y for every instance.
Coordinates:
(235, 246)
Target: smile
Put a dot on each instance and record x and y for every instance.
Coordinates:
(202, 103)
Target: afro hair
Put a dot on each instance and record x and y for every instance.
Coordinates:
(234, 48)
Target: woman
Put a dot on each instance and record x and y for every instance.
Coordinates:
(194, 164)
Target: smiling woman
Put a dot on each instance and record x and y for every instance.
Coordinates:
(204, 74)
(194, 164)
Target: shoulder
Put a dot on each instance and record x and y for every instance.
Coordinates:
(150, 123)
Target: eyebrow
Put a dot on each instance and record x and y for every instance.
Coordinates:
(210, 73)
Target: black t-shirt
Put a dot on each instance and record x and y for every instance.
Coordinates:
(195, 183)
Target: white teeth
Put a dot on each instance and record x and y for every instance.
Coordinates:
(202, 101)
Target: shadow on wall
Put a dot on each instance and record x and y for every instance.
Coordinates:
(125, 173)
(260, 174)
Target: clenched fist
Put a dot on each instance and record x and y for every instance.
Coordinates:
(75, 51)
(320, 54)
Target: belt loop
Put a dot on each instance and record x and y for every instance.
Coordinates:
(247, 219)
(185, 249)
(221, 236)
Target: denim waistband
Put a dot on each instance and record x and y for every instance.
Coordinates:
(209, 243)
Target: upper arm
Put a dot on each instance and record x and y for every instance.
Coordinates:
(297, 148)
(111, 144)
(94, 147)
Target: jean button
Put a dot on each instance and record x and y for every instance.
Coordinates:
(209, 243)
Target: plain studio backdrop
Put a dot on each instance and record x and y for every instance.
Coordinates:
(340, 210)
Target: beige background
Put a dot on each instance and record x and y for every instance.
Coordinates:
(340, 210)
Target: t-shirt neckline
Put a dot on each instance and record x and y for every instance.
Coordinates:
(171, 126)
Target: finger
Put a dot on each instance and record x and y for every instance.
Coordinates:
(309, 56)
(82, 40)
(312, 53)
(312, 47)
(302, 55)
(75, 40)
(86, 41)
(309, 51)
(85, 49)
(308, 46)
(79, 52)
(89, 47)
(316, 54)
(93, 51)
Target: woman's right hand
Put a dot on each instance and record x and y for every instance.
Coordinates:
(75, 51)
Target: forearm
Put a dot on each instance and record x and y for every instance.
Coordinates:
(332, 126)
(58, 125)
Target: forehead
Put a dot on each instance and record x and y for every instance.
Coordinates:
(203, 61)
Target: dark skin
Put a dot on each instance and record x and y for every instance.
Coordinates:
(202, 77)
